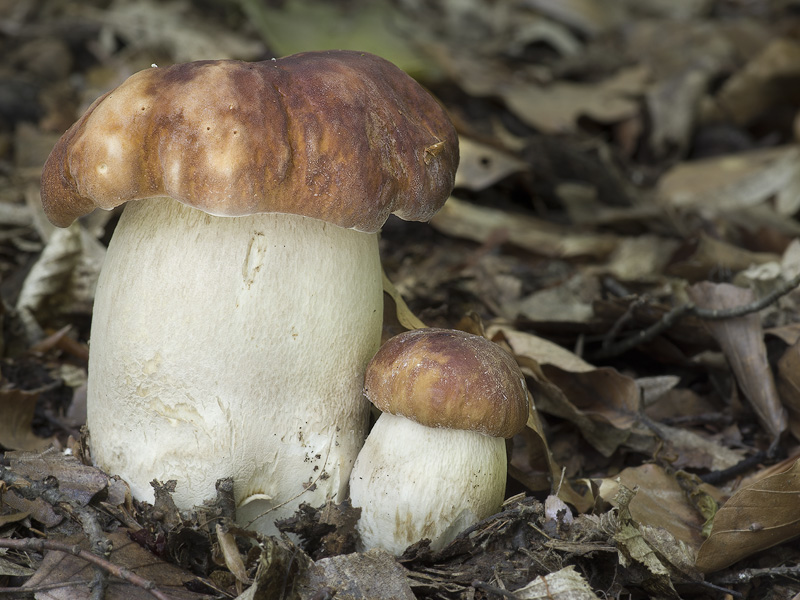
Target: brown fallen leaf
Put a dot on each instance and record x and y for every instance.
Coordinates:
(71, 575)
(462, 219)
(16, 414)
(756, 517)
(702, 256)
(724, 184)
(79, 482)
(565, 584)
(603, 403)
(659, 502)
(789, 385)
(742, 342)
(371, 575)
(480, 165)
(556, 108)
(761, 84)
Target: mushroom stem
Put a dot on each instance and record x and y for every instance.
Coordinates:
(233, 346)
(414, 482)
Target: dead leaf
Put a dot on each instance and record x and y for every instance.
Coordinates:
(789, 386)
(728, 183)
(565, 584)
(756, 517)
(77, 481)
(742, 342)
(762, 84)
(478, 223)
(568, 302)
(63, 279)
(405, 317)
(603, 403)
(543, 351)
(71, 575)
(703, 256)
(145, 24)
(17, 408)
(480, 165)
(556, 108)
(230, 553)
(660, 501)
(654, 552)
(12, 569)
(371, 575)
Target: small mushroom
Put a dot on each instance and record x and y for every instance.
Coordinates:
(435, 460)
(241, 295)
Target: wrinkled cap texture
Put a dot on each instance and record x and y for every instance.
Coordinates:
(341, 136)
(448, 378)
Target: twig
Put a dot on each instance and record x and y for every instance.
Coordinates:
(744, 465)
(493, 589)
(47, 490)
(677, 313)
(38, 545)
(748, 575)
(31, 590)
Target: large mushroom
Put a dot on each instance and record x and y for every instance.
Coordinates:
(240, 299)
(435, 460)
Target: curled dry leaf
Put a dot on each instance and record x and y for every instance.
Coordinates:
(742, 342)
(756, 517)
(480, 166)
(760, 85)
(68, 574)
(653, 553)
(728, 183)
(403, 314)
(62, 282)
(566, 584)
(603, 403)
(556, 108)
(231, 554)
(703, 256)
(660, 501)
(789, 385)
(532, 462)
(17, 408)
(478, 223)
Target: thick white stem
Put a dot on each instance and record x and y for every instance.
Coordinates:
(233, 347)
(414, 482)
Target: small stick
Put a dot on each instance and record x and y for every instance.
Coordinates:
(677, 313)
(37, 545)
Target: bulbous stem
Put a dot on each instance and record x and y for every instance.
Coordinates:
(233, 347)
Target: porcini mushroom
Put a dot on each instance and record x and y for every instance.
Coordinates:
(435, 460)
(240, 299)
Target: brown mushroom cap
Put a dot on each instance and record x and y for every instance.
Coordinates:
(341, 136)
(448, 378)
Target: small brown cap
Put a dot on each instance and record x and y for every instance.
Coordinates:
(341, 136)
(448, 378)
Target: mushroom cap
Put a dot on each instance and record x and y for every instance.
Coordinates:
(448, 378)
(341, 136)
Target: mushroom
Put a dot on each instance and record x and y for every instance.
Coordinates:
(435, 460)
(241, 295)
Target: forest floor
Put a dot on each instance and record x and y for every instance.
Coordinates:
(624, 222)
